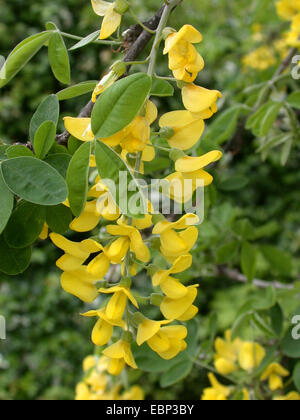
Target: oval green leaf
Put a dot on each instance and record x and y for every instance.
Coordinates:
(77, 178)
(77, 90)
(7, 203)
(18, 151)
(48, 110)
(59, 58)
(44, 139)
(25, 225)
(34, 181)
(118, 105)
(20, 56)
(13, 261)
(58, 218)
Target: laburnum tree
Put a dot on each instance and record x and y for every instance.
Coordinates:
(85, 189)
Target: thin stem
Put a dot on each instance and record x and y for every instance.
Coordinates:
(168, 78)
(135, 63)
(211, 369)
(158, 38)
(99, 42)
(151, 31)
(138, 164)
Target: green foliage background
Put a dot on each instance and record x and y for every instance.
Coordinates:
(251, 200)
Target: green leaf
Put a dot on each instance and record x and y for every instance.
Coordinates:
(264, 299)
(58, 218)
(77, 90)
(290, 345)
(296, 376)
(119, 104)
(34, 181)
(262, 325)
(3, 149)
(240, 324)
(277, 319)
(25, 225)
(178, 372)
(7, 203)
(86, 41)
(59, 58)
(48, 110)
(111, 166)
(227, 252)
(263, 119)
(224, 126)
(161, 88)
(60, 162)
(20, 56)
(286, 151)
(234, 183)
(248, 260)
(73, 144)
(244, 229)
(294, 100)
(77, 178)
(44, 139)
(280, 261)
(18, 151)
(148, 361)
(13, 261)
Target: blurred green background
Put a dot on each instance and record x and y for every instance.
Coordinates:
(47, 339)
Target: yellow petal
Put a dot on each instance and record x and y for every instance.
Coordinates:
(177, 119)
(80, 128)
(102, 333)
(116, 306)
(188, 136)
(147, 329)
(69, 262)
(189, 314)
(158, 343)
(100, 7)
(72, 248)
(99, 266)
(128, 356)
(175, 308)
(175, 331)
(117, 251)
(225, 366)
(151, 112)
(88, 219)
(251, 356)
(44, 234)
(111, 22)
(187, 33)
(275, 382)
(176, 346)
(173, 289)
(190, 164)
(197, 99)
(77, 283)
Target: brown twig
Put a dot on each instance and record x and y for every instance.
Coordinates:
(224, 271)
(139, 40)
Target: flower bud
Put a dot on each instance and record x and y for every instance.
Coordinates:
(119, 67)
(176, 154)
(166, 132)
(121, 6)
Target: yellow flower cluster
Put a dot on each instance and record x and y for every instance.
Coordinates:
(98, 385)
(85, 264)
(266, 56)
(290, 10)
(235, 356)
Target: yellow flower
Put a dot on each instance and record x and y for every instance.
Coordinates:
(97, 381)
(174, 244)
(190, 176)
(82, 392)
(292, 396)
(184, 59)
(44, 234)
(80, 284)
(286, 9)
(116, 306)
(119, 354)
(181, 309)
(103, 330)
(227, 354)
(274, 373)
(135, 393)
(89, 363)
(171, 287)
(197, 99)
(260, 59)
(217, 392)
(106, 206)
(187, 127)
(89, 218)
(133, 238)
(136, 136)
(168, 342)
(112, 19)
(251, 355)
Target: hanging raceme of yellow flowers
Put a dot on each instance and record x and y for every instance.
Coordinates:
(119, 318)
